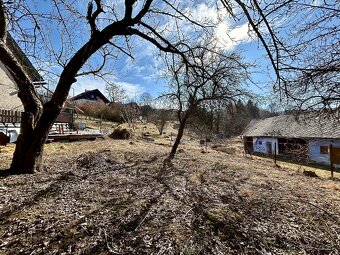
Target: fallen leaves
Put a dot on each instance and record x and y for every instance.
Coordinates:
(120, 198)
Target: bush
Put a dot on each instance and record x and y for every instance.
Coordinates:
(100, 110)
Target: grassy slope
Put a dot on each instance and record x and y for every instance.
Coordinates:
(120, 197)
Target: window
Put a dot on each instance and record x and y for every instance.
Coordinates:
(323, 149)
(260, 142)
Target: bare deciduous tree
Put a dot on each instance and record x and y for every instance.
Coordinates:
(160, 117)
(302, 41)
(57, 32)
(130, 113)
(211, 75)
(115, 92)
(81, 41)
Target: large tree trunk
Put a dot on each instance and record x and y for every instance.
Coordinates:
(178, 138)
(27, 157)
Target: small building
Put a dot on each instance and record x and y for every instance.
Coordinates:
(304, 138)
(90, 96)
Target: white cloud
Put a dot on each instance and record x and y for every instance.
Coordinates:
(222, 27)
(229, 38)
(132, 90)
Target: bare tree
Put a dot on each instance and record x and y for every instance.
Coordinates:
(145, 99)
(130, 112)
(79, 51)
(115, 92)
(212, 75)
(302, 41)
(160, 118)
(310, 80)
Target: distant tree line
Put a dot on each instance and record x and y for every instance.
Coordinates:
(227, 120)
(212, 119)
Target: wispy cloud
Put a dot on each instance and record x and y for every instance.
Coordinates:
(131, 90)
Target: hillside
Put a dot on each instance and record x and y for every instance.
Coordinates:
(122, 197)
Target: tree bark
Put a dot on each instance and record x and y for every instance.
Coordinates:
(28, 151)
(38, 118)
(27, 157)
(179, 136)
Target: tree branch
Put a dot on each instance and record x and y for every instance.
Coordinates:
(259, 35)
(183, 15)
(122, 50)
(3, 22)
(168, 48)
(143, 11)
(92, 16)
(27, 93)
(128, 9)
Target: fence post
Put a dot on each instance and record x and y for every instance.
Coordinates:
(5, 117)
(331, 159)
(275, 153)
(206, 143)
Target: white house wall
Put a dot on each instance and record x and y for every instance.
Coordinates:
(314, 151)
(9, 99)
(260, 144)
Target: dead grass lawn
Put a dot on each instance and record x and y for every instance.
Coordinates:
(123, 197)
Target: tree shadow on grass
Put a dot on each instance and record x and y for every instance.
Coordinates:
(52, 190)
(5, 173)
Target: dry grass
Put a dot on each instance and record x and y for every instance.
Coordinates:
(95, 123)
(122, 197)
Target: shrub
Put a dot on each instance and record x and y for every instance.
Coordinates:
(100, 110)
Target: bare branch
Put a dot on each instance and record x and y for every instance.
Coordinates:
(3, 22)
(260, 36)
(122, 50)
(128, 9)
(143, 11)
(92, 16)
(183, 15)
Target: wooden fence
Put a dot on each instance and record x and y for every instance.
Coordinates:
(64, 117)
(7, 116)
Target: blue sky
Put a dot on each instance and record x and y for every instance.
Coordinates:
(142, 74)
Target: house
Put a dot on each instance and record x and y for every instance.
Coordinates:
(90, 96)
(305, 138)
(8, 89)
